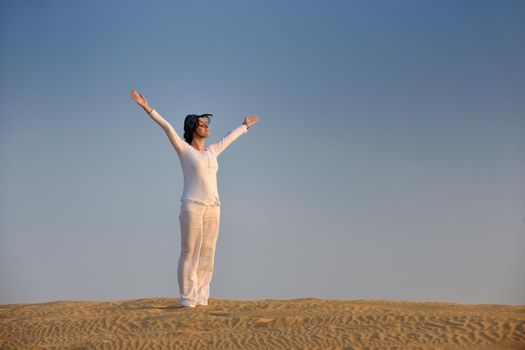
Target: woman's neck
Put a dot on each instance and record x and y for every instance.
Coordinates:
(198, 144)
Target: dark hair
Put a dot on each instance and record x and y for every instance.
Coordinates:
(191, 123)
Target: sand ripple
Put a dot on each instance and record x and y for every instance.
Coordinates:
(307, 323)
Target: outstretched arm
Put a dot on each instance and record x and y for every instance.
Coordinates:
(234, 134)
(177, 142)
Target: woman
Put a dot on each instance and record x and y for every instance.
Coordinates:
(200, 205)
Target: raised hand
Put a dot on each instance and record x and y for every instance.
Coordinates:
(250, 120)
(140, 99)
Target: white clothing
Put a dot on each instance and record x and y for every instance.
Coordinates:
(199, 168)
(199, 227)
(199, 212)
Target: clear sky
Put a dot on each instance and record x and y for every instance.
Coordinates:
(388, 162)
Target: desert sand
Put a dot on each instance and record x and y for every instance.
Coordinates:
(308, 323)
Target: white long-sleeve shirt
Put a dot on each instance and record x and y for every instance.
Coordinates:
(199, 168)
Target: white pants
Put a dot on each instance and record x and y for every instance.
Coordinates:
(199, 227)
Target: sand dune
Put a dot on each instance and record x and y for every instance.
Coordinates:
(307, 323)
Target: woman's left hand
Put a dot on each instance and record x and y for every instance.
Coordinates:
(250, 120)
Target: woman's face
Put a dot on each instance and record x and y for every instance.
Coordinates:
(203, 129)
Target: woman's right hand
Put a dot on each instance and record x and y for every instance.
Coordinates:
(140, 99)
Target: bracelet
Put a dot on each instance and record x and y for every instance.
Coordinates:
(151, 110)
(247, 127)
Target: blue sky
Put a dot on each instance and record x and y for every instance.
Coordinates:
(388, 162)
